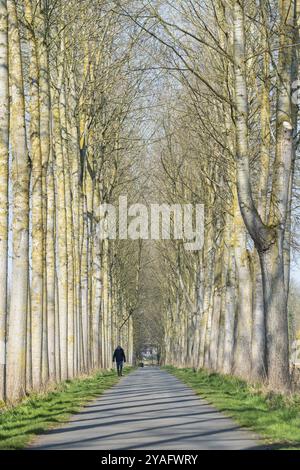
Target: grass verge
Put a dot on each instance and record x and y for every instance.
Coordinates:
(276, 418)
(37, 413)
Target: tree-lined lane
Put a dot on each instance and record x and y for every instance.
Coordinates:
(148, 409)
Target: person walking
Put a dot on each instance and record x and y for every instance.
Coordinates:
(119, 357)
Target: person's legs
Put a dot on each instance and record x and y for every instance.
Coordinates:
(119, 368)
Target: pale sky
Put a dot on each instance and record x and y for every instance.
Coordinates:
(295, 268)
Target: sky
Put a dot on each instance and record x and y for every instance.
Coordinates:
(295, 268)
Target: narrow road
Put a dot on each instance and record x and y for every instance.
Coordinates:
(148, 409)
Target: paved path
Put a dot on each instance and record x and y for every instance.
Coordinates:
(148, 409)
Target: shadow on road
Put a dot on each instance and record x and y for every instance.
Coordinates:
(149, 409)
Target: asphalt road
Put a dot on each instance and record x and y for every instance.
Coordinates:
(148, 409)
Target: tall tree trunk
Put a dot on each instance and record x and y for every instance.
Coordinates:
(84, 284)
(62, 280)
(45, 138)
(258, 343)
(230, 308)
(37, 238)
(242, 353)
(48, 197)
(276, 321)
(68, 230)
(16, 351)
(97, 282)
(51, 271)
(4, 158)
(216, 310)
(258, 353)
(74, 148)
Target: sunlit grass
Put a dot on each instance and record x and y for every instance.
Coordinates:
(276, 418)
(37, 413)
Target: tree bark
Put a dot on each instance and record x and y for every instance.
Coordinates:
(37, 235)
(16, 351)
(4, 158)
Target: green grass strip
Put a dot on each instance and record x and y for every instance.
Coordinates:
(37, 413)
(276, 418)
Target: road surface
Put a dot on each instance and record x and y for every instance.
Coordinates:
(148, 409)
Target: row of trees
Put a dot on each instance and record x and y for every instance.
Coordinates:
(66, 143)
(230, 142)
(208, 90)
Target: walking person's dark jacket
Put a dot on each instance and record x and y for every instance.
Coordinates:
(119, 355)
